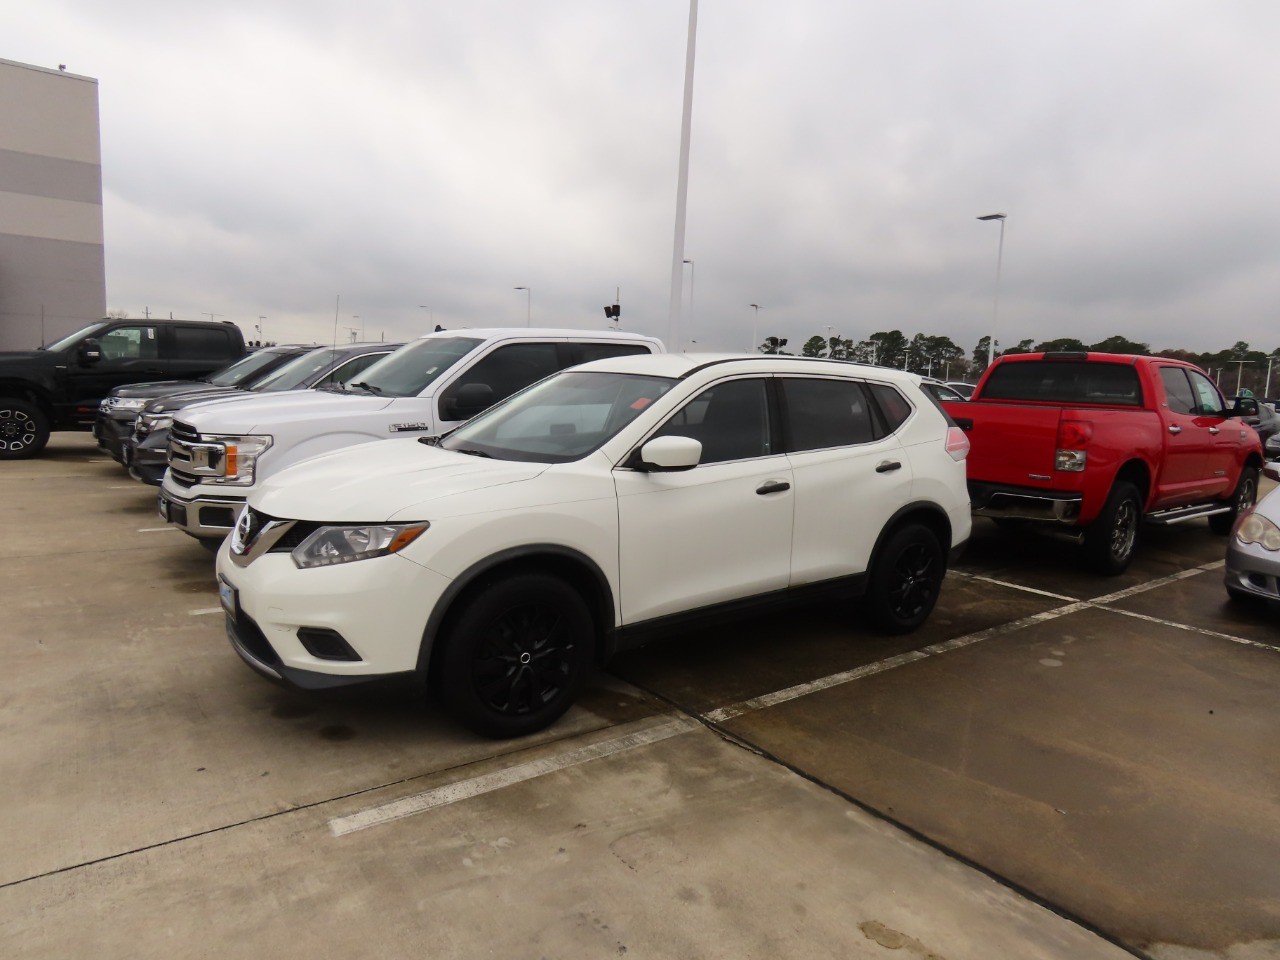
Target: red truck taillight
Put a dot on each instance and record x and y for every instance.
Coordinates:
(1072, 437)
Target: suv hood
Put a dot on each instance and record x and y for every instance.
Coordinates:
(262, 413)
(373, 482)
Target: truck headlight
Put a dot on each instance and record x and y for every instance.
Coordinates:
(151, 422)
(240, 456)
(125, 404)
(350, 542)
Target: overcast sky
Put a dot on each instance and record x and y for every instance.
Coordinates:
(422, 158)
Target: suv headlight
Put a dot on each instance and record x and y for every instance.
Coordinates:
(240, 457)
(350, 542)
(124, 404)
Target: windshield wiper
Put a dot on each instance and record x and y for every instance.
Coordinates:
(472, 452)
(368, 388)
(333, 388)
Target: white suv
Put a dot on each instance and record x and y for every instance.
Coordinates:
(591, 512)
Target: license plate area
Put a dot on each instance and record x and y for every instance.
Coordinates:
(228, 597)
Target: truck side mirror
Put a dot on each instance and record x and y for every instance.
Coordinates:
(470, 399)
(89, 352)
(1244, 407)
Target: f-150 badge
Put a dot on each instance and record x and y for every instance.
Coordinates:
(408, 427)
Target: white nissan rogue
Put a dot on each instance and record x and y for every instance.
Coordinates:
(590, 512)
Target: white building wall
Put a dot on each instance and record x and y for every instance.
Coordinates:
(52, 270)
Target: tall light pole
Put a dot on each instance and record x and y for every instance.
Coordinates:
(1240, 373)
(431, 315)
(258, 326)
(995, 310)
(356, 316)
(1266, 391)
(528, 306)
(682, 179)
(686, 339)
(755, 327)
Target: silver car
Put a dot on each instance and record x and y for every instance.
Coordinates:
(1253, 552)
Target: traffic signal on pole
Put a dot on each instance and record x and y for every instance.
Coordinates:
(613, 312)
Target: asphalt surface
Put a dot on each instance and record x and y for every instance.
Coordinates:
(1055, 766)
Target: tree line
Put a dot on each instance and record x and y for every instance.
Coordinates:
(941, 357)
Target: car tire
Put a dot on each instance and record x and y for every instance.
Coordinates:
(906, 579)
(1244, 497)
(24, 429)
(515, 655)
(1110, 541)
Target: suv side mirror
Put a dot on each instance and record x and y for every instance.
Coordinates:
(89, 352)
(668, 454)
(470, 399)
(1244, 407)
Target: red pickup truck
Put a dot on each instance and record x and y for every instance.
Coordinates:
(1098, 443)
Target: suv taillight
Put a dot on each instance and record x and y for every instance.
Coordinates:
(957, 444)
(1072, 437)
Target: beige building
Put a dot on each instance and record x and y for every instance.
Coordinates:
(52, 273)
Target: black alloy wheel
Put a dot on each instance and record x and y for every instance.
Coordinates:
(24, 430)
(1109, 541)
(516, 656)
(906, 579)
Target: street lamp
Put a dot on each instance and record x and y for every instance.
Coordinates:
(528, 316)
(1240, 373)
(258, 326)
(691, 279)
(755, 327)
(357, 317)
(431, 314)
(995, 311)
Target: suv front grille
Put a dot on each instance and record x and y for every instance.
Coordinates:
(184, 431)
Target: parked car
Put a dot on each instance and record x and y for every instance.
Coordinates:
(1272, 448)
(964, 389)
(1265, 421)
(120, 408)
(1253, 552)
(59, 387)
(1099, 443)
(146, 451)
(218, 455)
(592, 512)
(939, 390)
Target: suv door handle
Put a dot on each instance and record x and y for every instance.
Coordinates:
(1174, 428)
(887, 466)
(772, 486)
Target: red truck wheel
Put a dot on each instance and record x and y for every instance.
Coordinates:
(1110, 540)
(1244, 497)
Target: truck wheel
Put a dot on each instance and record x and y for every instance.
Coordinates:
(1110, 540)
(906, 580)
(24, 429)
(1246, 494)
(516, 655)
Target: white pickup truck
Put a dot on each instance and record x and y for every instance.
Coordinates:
(220, 454)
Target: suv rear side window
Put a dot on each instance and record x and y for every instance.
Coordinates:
(1065, 381)
(894, 408)
(822, 413)
(1177, 390)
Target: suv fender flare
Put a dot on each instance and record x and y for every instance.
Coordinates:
(602, 605)
(930, 513)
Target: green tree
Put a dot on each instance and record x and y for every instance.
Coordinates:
(1119, 344)
(815, 346)
(1061, 344)
(891, 347)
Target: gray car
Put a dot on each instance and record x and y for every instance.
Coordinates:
(1253, 552)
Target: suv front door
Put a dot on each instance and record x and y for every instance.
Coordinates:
(718, 532)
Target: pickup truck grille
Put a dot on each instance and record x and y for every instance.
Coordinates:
(190, 459)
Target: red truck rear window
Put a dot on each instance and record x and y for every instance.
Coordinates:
(1065, 381)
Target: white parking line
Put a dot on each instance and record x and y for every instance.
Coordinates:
(465, 789)
(964, 575)
(156, 529)
(204, 611)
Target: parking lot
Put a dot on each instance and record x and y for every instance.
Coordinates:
(1056, 765)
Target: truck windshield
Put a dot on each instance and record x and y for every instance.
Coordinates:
(299, 371)
(559, 419)
(1065, 381)
(408, 371)
(244, 370)
(71, 338)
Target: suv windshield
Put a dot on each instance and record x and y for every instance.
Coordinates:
(246, 368)
(407, 371)
(560, 419)
(299, 371)
(71, 338)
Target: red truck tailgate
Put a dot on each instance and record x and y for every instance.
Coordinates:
(1009, 443)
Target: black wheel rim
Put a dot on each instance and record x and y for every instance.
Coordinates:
(913, 582)
(1246, 495)
(1125, 530)
(525, 660)
(17, 430)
